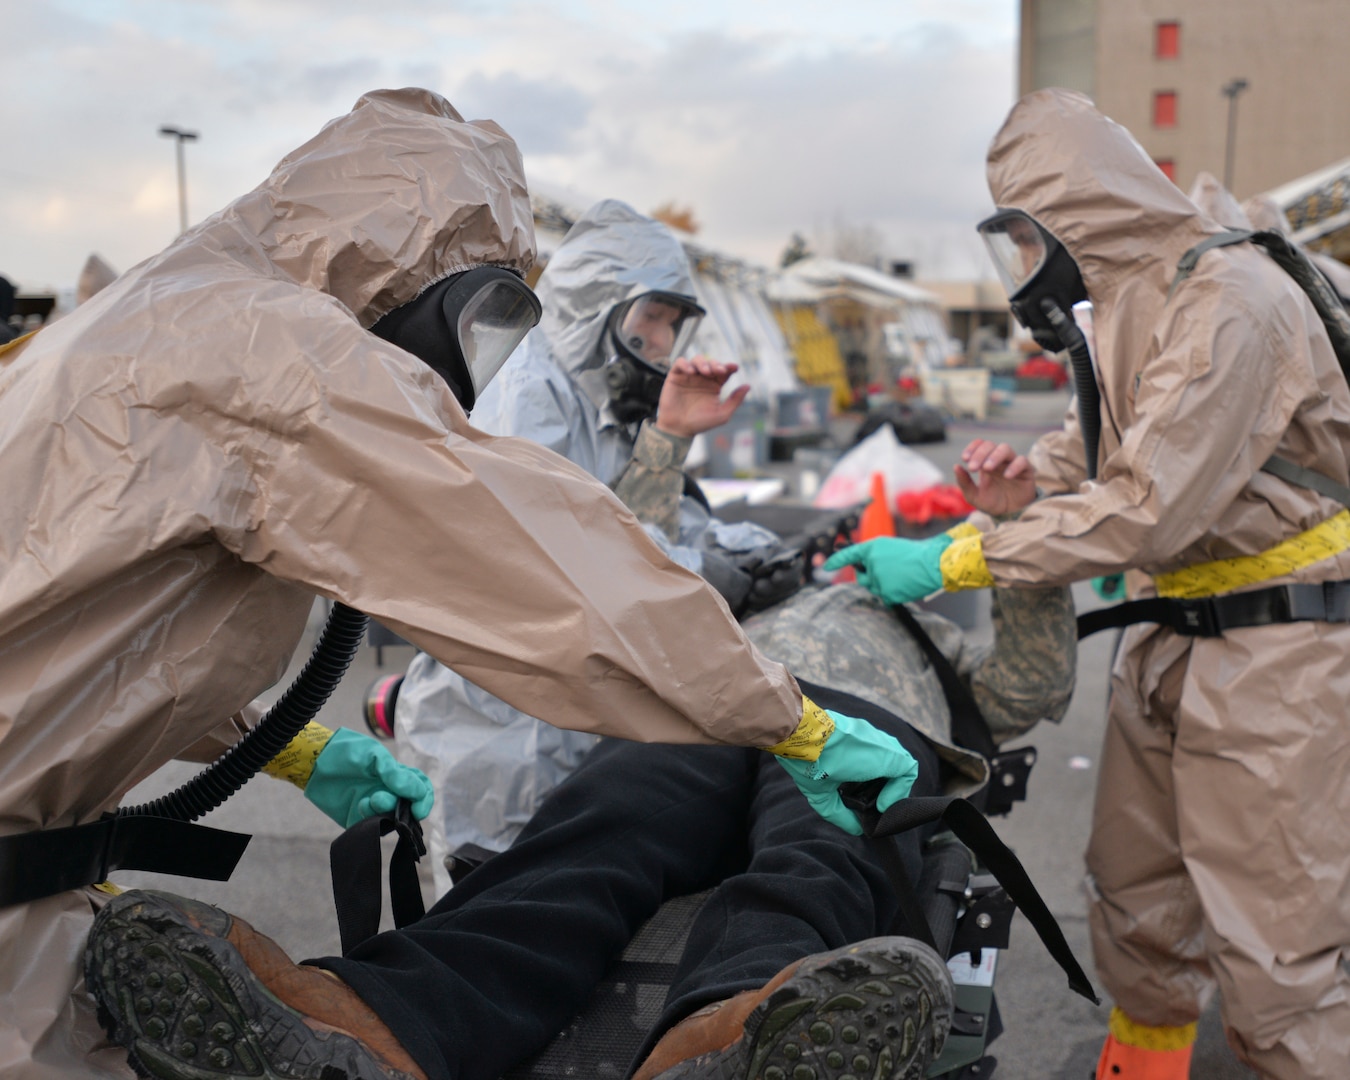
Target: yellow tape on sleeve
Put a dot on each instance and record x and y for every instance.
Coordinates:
(296, 761)
(963, 565)
(960, 532)
(1143, 1037)
(808, 737)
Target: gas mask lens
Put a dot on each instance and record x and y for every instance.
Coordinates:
(492, 322)
(1016, 245)
(658, 327)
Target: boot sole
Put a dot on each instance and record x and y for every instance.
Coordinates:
(877, 1010)
(178, 996)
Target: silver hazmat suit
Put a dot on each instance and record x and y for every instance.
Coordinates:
(215, 438)
(1219, 854)
(491, 763)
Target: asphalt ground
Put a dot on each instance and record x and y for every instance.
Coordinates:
(282, 885)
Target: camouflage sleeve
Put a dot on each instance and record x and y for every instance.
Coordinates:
(652, 482)
(1027, 675)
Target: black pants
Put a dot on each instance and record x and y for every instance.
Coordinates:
(510, 954)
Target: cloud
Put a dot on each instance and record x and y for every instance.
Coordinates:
(543, 116)
(765, 117)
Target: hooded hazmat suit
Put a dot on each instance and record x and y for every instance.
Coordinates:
(491, 764)
(214, 439)
(1219, 851)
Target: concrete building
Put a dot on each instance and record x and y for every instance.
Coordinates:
(1172, 70)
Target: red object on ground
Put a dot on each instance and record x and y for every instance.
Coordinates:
(1040, 367)
(939, 501)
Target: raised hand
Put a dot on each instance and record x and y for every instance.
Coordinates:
(994, 478)
(691, 399)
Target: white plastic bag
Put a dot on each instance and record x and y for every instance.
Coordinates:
(850, 481)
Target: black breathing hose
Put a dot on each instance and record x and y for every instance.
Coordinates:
(299, 705)
(1084, 381)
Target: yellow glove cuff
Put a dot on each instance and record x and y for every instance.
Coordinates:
(296, 760)
(960, 532)
(1143, 1037)
(963, 565)
(808, 738)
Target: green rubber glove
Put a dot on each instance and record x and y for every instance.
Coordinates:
(855, 750)
(1110, 586)
(898, 571)
(355, 777)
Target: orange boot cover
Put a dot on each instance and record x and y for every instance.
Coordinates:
(1135, 1051)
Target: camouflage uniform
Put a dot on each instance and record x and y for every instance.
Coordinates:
(653, 481)
(845, 638)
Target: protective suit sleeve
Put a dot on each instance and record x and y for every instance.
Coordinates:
(502, 560)
(1058, 456)
(207, 749)
(653, 481)
(1177, 470)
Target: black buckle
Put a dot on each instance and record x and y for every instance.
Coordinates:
(1195, 618)
(1008, 775)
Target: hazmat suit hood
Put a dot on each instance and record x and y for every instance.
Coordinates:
(351, 214)
(612, 254)
(1215, 201)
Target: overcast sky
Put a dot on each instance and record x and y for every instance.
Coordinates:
(764, 117)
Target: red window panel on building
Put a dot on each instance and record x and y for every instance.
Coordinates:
(1168, 167)
(1167, 40)
(1165, 109)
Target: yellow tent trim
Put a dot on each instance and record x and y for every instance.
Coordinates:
(818, 360)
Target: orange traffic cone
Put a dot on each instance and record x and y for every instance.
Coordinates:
(876, 520)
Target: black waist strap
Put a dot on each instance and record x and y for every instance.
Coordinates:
(1210, 616)
(50, 861)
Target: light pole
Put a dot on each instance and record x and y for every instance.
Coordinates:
(1231, 90)
(180, 138)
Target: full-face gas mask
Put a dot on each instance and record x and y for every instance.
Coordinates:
(465, 326)
(647, 334)
(1043, 285)
(1036, 270)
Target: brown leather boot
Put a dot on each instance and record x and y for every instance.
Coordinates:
(193, 992)
(881, 1008)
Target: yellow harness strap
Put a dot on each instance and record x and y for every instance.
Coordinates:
(1225, 575)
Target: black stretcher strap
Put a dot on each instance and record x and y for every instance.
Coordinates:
(354, 859)
(970, 730)
(45, 862)
(1210, 616)
(970, 827)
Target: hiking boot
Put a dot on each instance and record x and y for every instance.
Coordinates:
(196, 994)
(880, 1009)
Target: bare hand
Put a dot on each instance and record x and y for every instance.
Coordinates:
(691, 399)
(995, 478)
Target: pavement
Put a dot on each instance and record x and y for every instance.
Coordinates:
(282, 885)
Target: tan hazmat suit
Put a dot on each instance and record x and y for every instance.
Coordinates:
(1220, 851)
(215, 438)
